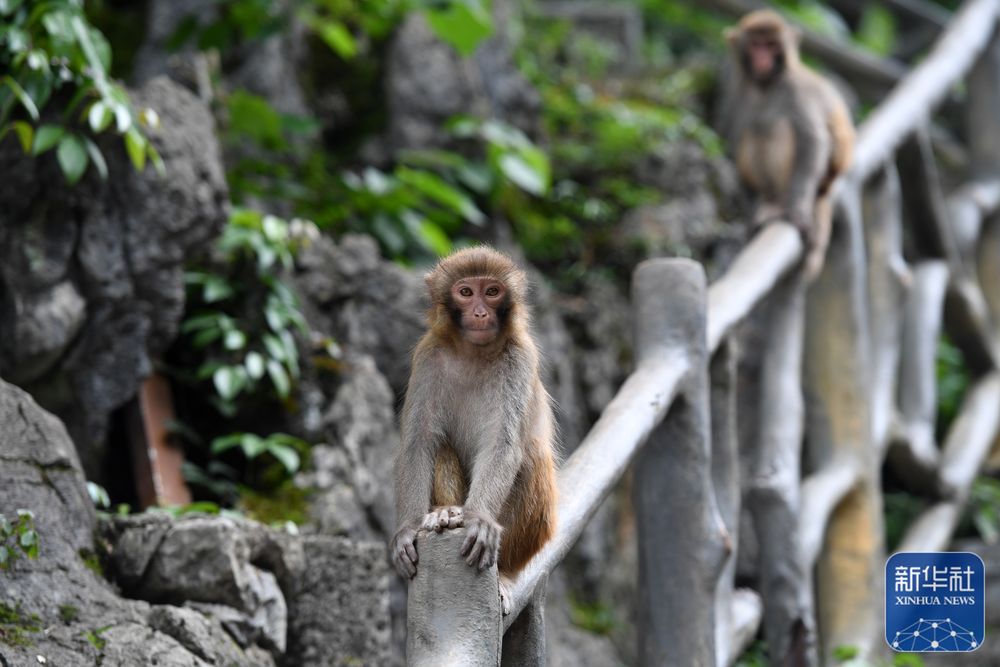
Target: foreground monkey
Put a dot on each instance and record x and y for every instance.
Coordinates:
(477, 446)
(789, 129)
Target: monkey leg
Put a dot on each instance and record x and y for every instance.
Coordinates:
(529, 516)
(819, 237)
(766, 212)
(506, 583)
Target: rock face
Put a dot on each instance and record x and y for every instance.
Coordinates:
(91, 277)
(370, 306)
(84, 621)
(428, 83)
(215, 590)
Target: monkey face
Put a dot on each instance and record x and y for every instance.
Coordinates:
(763, 55)
(477, 307)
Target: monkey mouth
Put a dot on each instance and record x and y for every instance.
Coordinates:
(480, 335)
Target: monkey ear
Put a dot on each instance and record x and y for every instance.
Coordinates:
(731, 35)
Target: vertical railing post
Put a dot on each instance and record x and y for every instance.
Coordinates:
(682, 540)
(838, 426)
(773, 488)
(981, 111)
(524, 641)
(726, 479)
(453, 610)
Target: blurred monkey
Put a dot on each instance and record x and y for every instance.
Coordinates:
(788, 128)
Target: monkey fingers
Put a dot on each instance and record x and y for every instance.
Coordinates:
(482, 544)
(404, 552)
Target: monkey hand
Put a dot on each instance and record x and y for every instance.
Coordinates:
(403, 550)
(482, 543)
(443, 517)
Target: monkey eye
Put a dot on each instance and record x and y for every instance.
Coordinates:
(465, 291)
(492, 291)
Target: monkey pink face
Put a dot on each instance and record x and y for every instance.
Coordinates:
(763, 56)
(478, 308)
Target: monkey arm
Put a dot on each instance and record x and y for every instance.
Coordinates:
(414, 467)
(500, 450)
(500, 446)
(414, 472)
(808, 168)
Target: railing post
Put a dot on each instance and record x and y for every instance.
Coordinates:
(524, 641)
(737, 613)
(773, 488)
(838, 425)
(453, 611)
(682, 539)
(981, 111)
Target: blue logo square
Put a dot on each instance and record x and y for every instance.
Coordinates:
(934, 601)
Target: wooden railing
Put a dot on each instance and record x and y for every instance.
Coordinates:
(848, 367)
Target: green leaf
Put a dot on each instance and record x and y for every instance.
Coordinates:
(99, 116)
(220, 445)
(877, 30)
(135, 145)
(72, 156)
(442, 192)
(98, 495)
(462, 24)
(254, 364)
(4, 556)
(25, 134)
(155, 159)
(338, 38)
(529, 176)
(234, 340)
(216, 289)
(434, 238)
(279, 377)
(253, 117)
(22, 97)
(28, 538)
(287, 456)
(226, 382)
(46, 137)
(97, 158)
(252, 445)
(274, 347)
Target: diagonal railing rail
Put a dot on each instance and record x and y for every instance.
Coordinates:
(848, 369)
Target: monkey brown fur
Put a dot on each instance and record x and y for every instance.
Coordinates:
(477, 447)
(789, 129)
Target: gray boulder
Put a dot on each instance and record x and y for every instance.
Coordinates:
(369, 305)
(339, 614)
(67, 613)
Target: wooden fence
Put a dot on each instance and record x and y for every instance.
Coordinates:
(848, 368)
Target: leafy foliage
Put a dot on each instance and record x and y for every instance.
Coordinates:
(16, 627)
(244, 316)
(952, 381)
(18, 538)
(50, 51)
(877, 31)
(900, 510)
(344, 26)
(984, 508)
